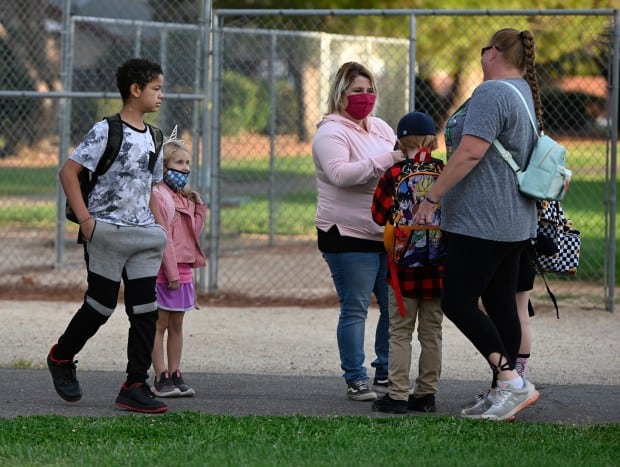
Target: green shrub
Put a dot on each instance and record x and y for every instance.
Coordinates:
(241, 105)
(287, 108)
(574, 112)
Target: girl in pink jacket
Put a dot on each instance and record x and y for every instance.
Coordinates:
(182, 214)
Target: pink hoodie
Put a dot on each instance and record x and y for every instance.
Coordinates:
(349, 161)
(183, 221)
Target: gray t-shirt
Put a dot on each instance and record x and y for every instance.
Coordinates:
(121, 196)
(486, 203)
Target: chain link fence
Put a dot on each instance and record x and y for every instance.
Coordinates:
(247, 98)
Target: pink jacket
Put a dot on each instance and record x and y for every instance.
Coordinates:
(349, 161)
(183, 220)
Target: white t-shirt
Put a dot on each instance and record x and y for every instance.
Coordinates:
(121, 196)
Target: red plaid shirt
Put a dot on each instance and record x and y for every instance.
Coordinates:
(424, 283)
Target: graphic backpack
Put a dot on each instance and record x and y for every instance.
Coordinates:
(410, 245)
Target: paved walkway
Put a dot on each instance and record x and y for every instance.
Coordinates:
(281, 361)
(30, 392)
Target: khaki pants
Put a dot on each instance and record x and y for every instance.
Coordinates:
(429, 316)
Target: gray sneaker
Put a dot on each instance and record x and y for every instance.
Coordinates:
(184, 389)
(507, 402)
(359, 391)
(165, 387)
(483, 403)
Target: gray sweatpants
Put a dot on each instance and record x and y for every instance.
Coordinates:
(115, 253)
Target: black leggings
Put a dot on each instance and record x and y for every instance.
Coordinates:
(483, 269)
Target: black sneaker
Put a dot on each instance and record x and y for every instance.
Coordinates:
(359, 391)
(388, 405)
(63, 375)
(424, 403)
(177, 380)
(165, 387)
(139, 398)
(380, 385)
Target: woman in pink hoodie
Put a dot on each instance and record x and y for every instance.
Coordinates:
(182, 214)
(351, 151)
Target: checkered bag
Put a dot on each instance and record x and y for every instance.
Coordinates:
(558, 244)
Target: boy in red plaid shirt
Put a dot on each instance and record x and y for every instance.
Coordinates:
(419, 289)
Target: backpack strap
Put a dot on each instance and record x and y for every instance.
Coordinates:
(396, 286)
(531, 252)
(529, 114)
(115, 137)
(534, 258)
(506, 156)
(551, 296)
(158, 139)
(500, 147)
(113, 145)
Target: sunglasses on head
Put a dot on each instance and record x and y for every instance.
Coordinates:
(489, 47)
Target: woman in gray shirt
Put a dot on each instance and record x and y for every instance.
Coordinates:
(487, 220)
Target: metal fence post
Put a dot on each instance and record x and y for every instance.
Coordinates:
(611, 202)
(64, 124)
(214, 192)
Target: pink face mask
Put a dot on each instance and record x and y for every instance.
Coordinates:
(359, 106)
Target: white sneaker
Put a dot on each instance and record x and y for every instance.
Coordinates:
(509, 401)
(483, 403)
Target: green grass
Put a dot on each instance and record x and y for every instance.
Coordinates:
(36, 215)
(188, 439)
(295, 215)
(298, 166)
(23, 363)
(28, 181)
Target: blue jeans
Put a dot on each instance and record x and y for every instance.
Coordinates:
(356, 276)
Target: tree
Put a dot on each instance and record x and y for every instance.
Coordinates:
(24, 41)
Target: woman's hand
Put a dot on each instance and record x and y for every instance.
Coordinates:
(397, 156)
(424, 214)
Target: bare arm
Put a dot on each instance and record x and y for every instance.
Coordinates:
(71, 185)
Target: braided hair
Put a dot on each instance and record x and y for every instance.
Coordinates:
(517, 48)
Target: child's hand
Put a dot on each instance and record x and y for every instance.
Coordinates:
(173, 285)
(87, 228)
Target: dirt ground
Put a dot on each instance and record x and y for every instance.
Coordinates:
(232, 332)
(579, 348)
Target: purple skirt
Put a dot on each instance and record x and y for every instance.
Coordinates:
(181, 299)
